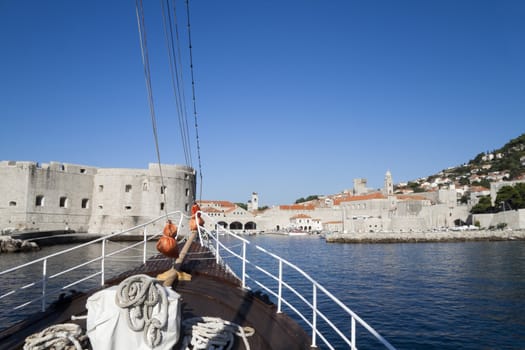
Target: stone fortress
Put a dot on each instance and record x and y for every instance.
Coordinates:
(59, 196)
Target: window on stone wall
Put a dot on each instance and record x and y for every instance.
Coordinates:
(39, 202)
(85, 203)
(128, 188)
(187, 192)
(82, 171)
(161, 206)
(162, 189)
(187, 207)
(145, 186)
(100, 188)
(12, 204)
(127, 207)
(62, 203)
(100, 206)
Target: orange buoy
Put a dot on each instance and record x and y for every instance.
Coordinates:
(167, 244)
(194, 209)
(170, 229)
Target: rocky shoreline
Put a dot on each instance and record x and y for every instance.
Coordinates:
(13, 245)
(422, 237)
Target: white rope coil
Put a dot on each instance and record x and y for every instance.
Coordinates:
(213, 333)
(140, 294)
(67, 336)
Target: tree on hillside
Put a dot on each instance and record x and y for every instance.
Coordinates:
(478, 159)
(483, 183)
(307, 199)
(242, 205)
(484, 206)
(511, 197)
(414, 186)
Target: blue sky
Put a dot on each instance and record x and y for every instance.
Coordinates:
(293, 97)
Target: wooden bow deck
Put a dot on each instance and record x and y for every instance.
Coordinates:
(212, 291)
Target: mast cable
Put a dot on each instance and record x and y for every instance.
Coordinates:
(178, 92)
(139, 9)
(194, 99)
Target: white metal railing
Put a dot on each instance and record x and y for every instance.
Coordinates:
(247, 269)
(224, 252)
(44, 282)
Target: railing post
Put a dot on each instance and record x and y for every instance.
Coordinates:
(44, 284)
(243, 264)
(217, 258)
(314, 316)
(280, 287)
(354, 345)
(103, 263)
(144, 250)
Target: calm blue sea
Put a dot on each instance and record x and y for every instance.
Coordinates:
(467, 295)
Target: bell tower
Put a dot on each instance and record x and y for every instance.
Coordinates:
(388, 189)
(253, 204)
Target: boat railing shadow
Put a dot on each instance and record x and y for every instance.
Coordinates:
(290, 288)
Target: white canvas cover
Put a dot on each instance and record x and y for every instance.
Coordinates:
(107, 326)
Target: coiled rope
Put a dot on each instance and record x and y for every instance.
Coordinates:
(213, 333)
(67, 336)
(140, 294)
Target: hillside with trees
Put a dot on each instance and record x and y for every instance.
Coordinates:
(504, 164)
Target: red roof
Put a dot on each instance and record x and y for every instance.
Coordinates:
(219, 203)
(301, 216)
(375, 195)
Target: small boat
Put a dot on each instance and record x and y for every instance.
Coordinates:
(297, 233)
(251, 292)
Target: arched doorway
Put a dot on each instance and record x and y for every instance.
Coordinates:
(250, 225)
(236, 225)
(223, 224)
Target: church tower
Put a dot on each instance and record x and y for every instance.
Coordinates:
(253, 204)
(388, 189)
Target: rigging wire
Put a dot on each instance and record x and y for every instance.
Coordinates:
(177, 84)
(194, 99)
(176, 75)
(139, 9)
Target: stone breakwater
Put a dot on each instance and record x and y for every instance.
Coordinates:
(12, 245)
(413, 237)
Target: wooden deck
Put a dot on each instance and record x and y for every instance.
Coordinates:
(213, 292)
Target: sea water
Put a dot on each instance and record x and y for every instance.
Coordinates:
(468, 295)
